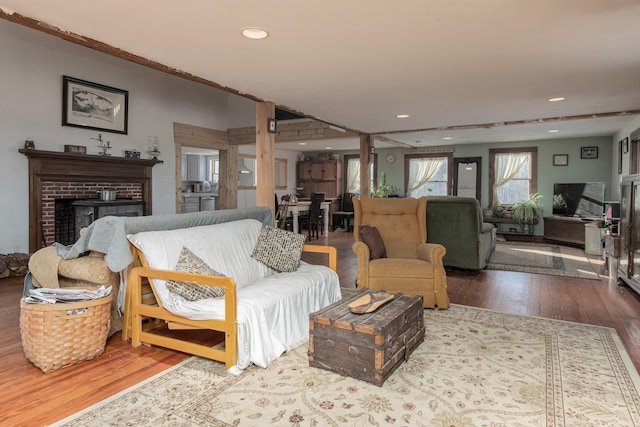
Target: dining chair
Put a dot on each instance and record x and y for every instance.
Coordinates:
(314, 221)
(282, 216)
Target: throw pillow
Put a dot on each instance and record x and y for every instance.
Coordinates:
(279, 249)
(371, 237)
(189, 262)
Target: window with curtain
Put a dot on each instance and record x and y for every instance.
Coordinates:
(512, 174)
(214, 171)
(428, 174)
(352, 173)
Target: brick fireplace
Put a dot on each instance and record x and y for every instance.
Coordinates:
(57, 212)
(56, 178)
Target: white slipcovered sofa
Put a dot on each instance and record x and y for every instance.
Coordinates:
(264, 311)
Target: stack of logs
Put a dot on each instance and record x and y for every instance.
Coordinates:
(15, 264)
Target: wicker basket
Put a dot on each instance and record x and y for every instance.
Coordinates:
(59, 335)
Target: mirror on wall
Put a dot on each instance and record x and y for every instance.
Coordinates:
(466, 177)
(247, 172)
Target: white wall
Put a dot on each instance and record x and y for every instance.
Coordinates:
(33, 64)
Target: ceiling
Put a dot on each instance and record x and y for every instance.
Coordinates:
(474, 71)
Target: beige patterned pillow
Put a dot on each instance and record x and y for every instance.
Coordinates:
(191, 263)
(279, 249)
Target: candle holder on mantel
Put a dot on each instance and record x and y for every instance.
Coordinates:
(154, 154)
(154, 150)
(104, 146)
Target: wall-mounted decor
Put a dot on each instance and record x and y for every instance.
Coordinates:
(272, 125)
(620, 149)
(589, 152)
(560, 159)
(94, 106)
(625, 145)
(79, 149)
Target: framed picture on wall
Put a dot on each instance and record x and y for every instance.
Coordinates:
(560, 159)
(589, 152)
(620, 150)
(94, 106)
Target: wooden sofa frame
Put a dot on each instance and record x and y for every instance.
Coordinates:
(142, 304)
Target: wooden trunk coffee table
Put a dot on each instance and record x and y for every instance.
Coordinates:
(371, 346)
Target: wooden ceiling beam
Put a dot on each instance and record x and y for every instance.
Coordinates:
(516, 122)
(291, 132)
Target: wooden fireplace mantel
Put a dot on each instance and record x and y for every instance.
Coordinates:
(88, 158)
(56, 166)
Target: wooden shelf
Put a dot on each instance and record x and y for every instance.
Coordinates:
(501, 221)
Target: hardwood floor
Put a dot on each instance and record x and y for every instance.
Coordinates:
(31, 398)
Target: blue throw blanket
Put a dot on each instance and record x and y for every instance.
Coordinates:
(108, 235)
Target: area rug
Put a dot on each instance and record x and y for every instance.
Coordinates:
(542, 259)
(475, 368)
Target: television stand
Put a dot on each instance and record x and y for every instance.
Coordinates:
(565, 229)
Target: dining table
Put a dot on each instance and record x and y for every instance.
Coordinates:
(303, 206)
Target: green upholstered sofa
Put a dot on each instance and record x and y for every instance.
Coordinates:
(456, 223)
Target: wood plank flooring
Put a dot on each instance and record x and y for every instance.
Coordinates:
(29, 397)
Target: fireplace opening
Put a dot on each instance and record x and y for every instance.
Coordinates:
(72, 215)
(64, 222)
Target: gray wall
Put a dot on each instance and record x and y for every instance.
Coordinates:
(33, 64)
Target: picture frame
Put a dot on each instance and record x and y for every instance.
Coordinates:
(588, 152)
(272, 125)
(560, 160)
(625, 145)
(620, 148)
(94, 106)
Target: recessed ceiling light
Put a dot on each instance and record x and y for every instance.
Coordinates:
(328, 148)
(402, 116)
(447, 137)
(554, 131)
(559, 98)
(302, 143)
(254, 33)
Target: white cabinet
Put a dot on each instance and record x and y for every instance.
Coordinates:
(592, 239)
(196, 168)
(183, 168)
(190, 204)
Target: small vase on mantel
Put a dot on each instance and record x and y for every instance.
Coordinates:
(526, 229)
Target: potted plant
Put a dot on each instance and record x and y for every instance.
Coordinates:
(528, 211)
(382, 189)
(497, 210)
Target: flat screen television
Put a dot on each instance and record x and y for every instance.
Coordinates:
(580, 200)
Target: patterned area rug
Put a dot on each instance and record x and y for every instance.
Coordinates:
(476, 367)
(542, 259)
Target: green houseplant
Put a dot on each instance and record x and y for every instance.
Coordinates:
(497, 210)
(528, 211)
(382, 189)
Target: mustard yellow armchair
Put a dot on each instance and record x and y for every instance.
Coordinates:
(411, 266)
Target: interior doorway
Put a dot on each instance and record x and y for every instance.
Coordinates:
(213, 140)
(466, 177)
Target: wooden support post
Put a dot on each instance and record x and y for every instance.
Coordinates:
(366, 158)
(265, 155)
